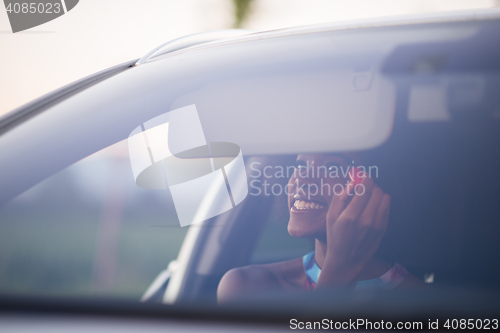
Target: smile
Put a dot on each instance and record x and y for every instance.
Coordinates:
(304, 205)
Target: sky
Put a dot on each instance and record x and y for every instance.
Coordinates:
(98, 34)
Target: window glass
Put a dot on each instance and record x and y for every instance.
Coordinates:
(88, 230)
(210, 140)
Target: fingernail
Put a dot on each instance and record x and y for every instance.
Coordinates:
(356, 175)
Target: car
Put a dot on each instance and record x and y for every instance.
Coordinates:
(176, 165)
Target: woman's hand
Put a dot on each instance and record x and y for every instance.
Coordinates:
(355, 225)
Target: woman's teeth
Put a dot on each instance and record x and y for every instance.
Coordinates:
(300, 204)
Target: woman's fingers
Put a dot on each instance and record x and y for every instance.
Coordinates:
(374, 221)
(356, 224)
(368, 216)
(339, 203)
(359, 201)
(382, 216)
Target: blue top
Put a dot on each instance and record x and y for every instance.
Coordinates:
(389, 280)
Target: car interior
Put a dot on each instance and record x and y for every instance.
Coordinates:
(440, 172)
(443, 224)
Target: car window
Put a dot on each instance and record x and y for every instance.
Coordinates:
(88, 230)
(192, 156)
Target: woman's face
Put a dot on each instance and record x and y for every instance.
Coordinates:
(311, 188)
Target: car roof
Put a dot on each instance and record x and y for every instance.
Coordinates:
(365, 23)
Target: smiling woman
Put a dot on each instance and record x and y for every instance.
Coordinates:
(347, 227)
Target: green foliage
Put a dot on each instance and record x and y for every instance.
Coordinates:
(242, 9)
(53, 253)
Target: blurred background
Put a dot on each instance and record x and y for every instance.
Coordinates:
(99, 34)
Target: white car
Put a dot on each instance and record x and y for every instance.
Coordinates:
(175, 166)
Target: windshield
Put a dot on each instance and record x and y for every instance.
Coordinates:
(357, 160)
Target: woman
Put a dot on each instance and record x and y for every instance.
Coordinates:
(347, 217)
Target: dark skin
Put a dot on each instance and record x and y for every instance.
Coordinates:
(347, 227)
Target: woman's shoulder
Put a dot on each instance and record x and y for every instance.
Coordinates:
(244, 281)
